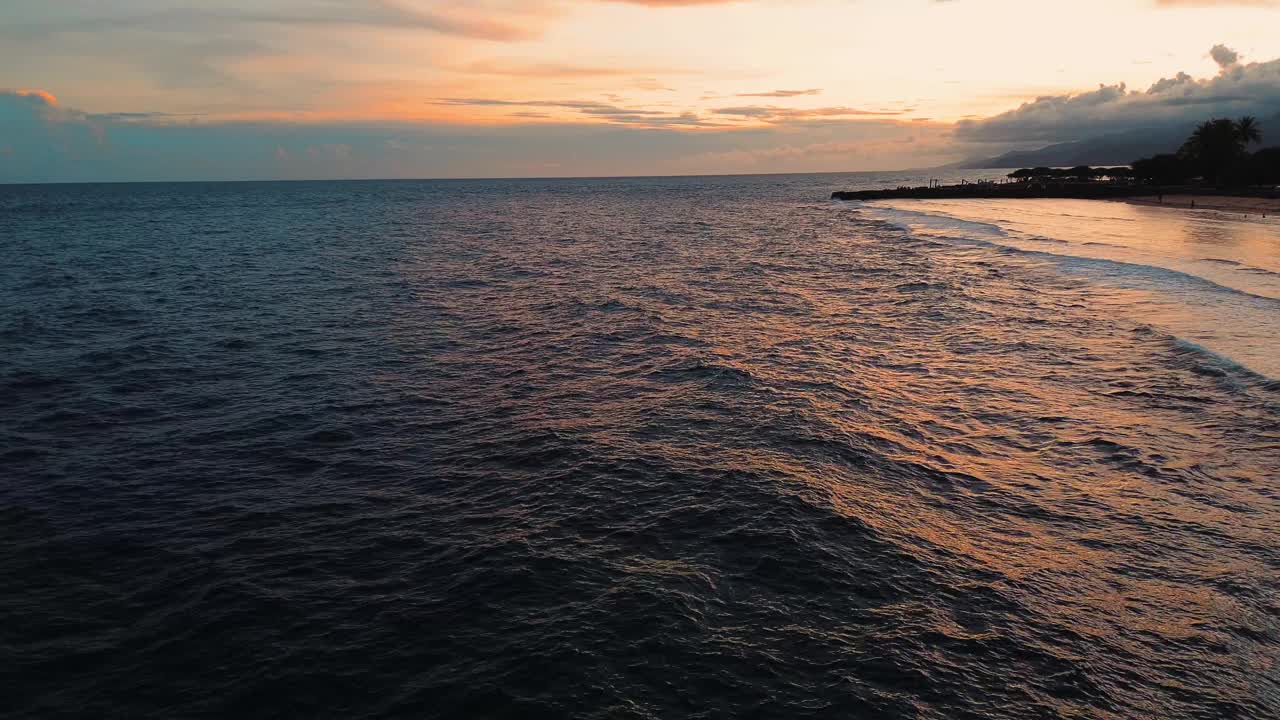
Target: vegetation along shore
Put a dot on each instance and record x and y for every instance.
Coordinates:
(1214, 169)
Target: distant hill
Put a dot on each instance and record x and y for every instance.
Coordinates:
(1116, 149)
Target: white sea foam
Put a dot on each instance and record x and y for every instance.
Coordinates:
(1209, 278)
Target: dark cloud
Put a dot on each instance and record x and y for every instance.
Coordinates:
(489, 21)
(1224, 56)
(499, 20)
(41, 137)
(139, 116)
(1252, 89)
(44, 142)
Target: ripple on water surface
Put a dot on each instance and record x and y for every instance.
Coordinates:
(642, 448)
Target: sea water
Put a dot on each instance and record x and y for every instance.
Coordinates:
(634, 448)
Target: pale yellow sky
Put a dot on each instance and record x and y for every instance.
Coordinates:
(432, 87)
(940, 60)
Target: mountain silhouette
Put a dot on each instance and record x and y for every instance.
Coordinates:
(1111, 149)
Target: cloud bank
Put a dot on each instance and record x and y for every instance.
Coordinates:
(1238, 89)
(45, 142)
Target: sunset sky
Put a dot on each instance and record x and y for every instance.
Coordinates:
(148, 89)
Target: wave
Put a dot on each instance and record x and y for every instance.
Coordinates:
(1127, 267)
(1216, 364)
(912, 220)
(1229, 322)
(1131, 268)
(818, 465)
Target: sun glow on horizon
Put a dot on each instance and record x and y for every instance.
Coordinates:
(882, 83)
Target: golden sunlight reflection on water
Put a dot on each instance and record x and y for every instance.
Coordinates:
(1211, 278)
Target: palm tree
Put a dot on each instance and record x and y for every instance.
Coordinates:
(1248, 131)
(1216, 145)
(1218, 150)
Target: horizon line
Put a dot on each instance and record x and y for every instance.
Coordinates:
(483, 177)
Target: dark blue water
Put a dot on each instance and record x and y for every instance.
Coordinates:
(663, 448)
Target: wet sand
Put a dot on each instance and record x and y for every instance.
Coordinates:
(1247, 205)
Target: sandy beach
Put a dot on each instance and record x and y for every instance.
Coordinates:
(1246, 205)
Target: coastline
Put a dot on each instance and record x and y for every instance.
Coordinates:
(1226, 249)
(1247, 201)
(1266, 207)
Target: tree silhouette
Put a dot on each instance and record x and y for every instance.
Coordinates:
(1217, 146)
(1248, 130)
(1164, 169)
(1265, 166)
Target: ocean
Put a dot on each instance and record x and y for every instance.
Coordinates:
(634, 448)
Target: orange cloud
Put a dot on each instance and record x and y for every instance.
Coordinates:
(557, 70)
(773, 113)
(45, 98)
(675, 3)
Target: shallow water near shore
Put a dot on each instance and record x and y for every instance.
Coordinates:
(1209, 277)
(650, 448)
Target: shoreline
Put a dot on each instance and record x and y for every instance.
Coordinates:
(1248, 201)
(1266, 207)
